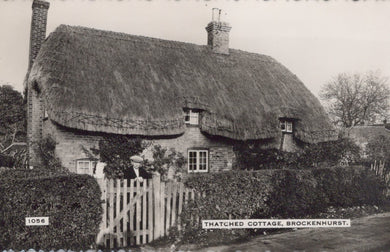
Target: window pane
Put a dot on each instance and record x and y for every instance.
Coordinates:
(192, 160)
(289, 126)
(203, 160)
(83, 167)
(187, 116)
(283, 125)
(194, 118)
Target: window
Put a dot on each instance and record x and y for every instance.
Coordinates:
(191, 117)
(286, 126)
(85, 166)
(198, 160)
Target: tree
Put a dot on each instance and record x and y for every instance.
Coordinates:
(12, 116)
(355, 99)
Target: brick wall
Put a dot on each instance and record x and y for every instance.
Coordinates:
(221, 158)
(71, 145)
(221, 155)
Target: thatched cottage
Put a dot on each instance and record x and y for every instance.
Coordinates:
(200, 99)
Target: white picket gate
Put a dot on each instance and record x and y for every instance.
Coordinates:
(139, 212)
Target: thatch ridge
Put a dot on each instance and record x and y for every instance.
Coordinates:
(119, 83)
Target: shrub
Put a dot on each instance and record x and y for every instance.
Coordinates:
(251, 156)
(331, 153)
(20, 158)
(46, 150)
(71, 202)
(350, 186)
(6, 161)
(164, 161)
(295, 194)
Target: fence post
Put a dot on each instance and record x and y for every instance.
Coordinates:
(103, 223)
(156, 206)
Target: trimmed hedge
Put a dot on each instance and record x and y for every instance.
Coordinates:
(350, 186)
(279, 193)
(72, 203)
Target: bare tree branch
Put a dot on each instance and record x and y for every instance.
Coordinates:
(353, 99)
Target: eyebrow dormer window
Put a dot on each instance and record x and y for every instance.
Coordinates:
(286, 125)
(191, 117)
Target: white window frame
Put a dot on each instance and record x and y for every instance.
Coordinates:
(197, 162)
(80, 170)
(191, 117)
(286, 126)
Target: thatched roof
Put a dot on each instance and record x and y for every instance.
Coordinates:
(363, 134)
(118, 83)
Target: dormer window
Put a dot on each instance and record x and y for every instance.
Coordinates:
(191, 117)
(286, 125)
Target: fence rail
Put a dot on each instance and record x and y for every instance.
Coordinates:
(137, 212)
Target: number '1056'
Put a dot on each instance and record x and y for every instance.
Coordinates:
(32, 221)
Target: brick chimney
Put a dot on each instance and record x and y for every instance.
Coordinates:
(218, 33)
(35, 108)
(38, 28)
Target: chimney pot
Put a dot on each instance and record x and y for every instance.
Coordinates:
(218, 35)
(41, 4)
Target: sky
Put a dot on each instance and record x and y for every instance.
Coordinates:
(314, 39)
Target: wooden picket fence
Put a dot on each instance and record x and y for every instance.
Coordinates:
(380, 171)
(137, 212)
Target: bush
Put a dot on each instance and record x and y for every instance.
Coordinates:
(295, 194)
(331, 153)
(278, 193)
(251, 156)
(71, 202)
(46, 150)
(6, 161)
(164, 161)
